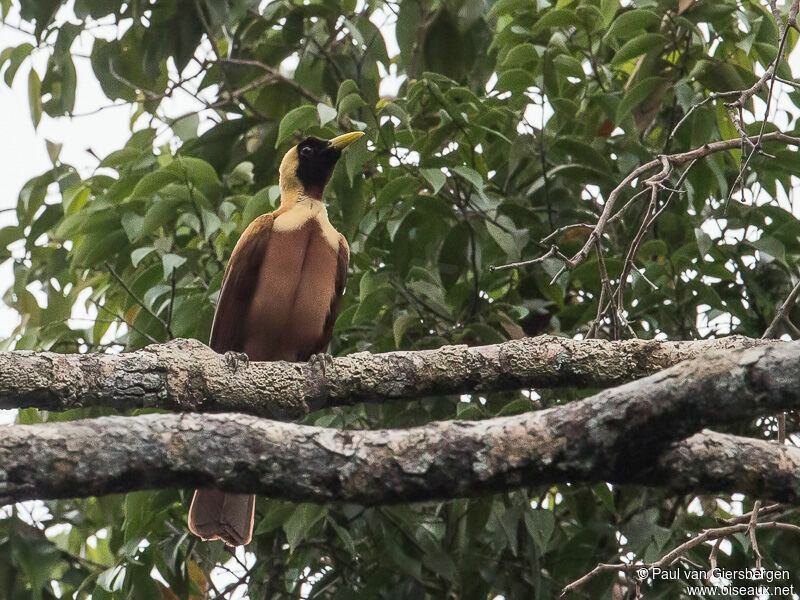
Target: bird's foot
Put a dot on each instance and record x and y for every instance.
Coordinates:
(323, 359)
(235, 359)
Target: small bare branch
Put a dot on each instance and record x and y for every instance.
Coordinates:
(552, 253)
(138, 300)
(783, 311)
(751, 531)
(719, 534)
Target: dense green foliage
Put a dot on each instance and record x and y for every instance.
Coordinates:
(456, 173)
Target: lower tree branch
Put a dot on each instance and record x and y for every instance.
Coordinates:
(717, 462)
(186, 375)
(629, 434)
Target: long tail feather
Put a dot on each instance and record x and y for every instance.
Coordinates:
(219, 515)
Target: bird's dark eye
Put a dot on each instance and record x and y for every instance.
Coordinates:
(306, 152)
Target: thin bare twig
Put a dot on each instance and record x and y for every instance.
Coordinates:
(712, 96)
(565, 228)
(171, 299)
(782, 428)
(673, 160)
(139, 301)
(122, 319)
(712, 557)
(223, 73)
(762, 512)
(679, 552)
(552, 253)
(783, 311)
(273, 74)
(751, 530)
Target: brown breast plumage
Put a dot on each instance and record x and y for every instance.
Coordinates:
(293, 294)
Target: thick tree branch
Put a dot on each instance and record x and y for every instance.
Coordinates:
(717, 462)
(627, 434)
(186, 375)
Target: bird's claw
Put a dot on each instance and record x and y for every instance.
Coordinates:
(323, 359)
(234, 359)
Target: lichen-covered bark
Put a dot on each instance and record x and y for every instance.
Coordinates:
(626, 434)
(185, 375)
(716, 462)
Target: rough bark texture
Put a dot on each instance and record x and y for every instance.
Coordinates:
(626, 434)
(717, 462)
(186, 375)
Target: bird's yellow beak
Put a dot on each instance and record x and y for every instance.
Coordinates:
(344, 140)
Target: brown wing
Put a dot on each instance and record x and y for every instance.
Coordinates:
(341, 277)
(238, 284)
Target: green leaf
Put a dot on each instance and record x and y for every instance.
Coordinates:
(277, 514)
(15, 60)
(515, 407)
(262, 202)
(442, 564)
(506, 240)
(171, 262)
(470, 175)
(514, 80)
(35, 97)
(568, 66)
(639, 45)
(631, 22)
(242, 174)
(609, 8)
(727, 129)
(602, 491)
(435, 177)
(153, 182)
(344, 535)
(397, 188)
(111, 580)
(771, 247)
(100, 247)
(520, 56)
(303, 519)
(347, 87)
(554, 18)
(160, 213)
(296, 120)
(132, 224)
(399, 327)
(53, 151)
(196, 170)
(400, 559)
(10, 234)
(211, 222)
(636, 95)
(185, 127)
(350, 103)
(354, 158)
(138, 254)
(704, 241)
(469, 411)
(395, 110)
(540, 524)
